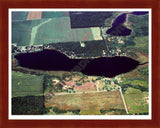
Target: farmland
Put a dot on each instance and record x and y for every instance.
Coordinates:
(52, 14)
(34, 15)
(78, 35)
(52, 30)
(26, 84)
(87, 19)
(137, 101)
(135, 86)
(85, 100)
(21, 31)
(88, 103)
(17, 16)
(21, 15)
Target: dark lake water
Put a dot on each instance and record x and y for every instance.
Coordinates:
(119, 20)
(139, 13)
(118, 29)
(56, 61)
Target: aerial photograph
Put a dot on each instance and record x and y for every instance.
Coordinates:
(79, 62)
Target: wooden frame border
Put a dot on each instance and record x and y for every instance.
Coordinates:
(6, 4)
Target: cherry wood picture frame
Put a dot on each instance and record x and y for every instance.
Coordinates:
(4, 61)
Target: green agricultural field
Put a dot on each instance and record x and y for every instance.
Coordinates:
(16, 16)
(22, 15)
(50, 30)
(140, 44)
(26, 84)
(52, 14)
(137, 83)
(135, 86)
(58, 30)
(141, 41)
(137, 101)
(21, 31)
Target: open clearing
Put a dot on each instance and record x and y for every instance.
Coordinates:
(88, 103)
(26, 84)
(137, 101)
(34, 15)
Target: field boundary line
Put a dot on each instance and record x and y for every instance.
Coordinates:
(123, 100)
(34, 31)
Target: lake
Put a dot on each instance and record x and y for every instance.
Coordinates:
(118, 29)
(57, 61)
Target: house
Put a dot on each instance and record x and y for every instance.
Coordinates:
(88, 86)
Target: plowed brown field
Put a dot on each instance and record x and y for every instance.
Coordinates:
(34, 15)
(88, 103)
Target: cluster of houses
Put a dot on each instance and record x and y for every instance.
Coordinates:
(102, 84)
(35, 48)
(27, 49)
(117, 52)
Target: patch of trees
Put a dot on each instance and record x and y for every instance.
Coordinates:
(89, 19)
(28, 105)
(91, 49)
(61, 111)
(49, 84)
(118, 111)
(144, 71)
(143, 113)
(112, 45)
(79, 84)
(134, 83)
(126, 86)
(129, 42)
(139, 24)
(132, 54)
(67, 76)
